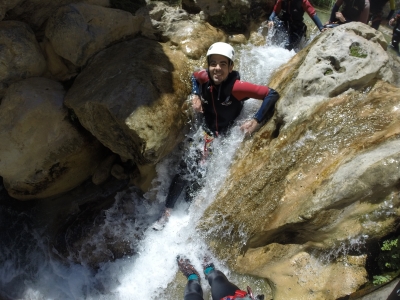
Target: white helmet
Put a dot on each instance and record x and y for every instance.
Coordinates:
(222, 49)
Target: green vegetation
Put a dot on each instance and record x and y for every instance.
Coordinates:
(388, 261)
(357, 51)
(128, 5)
(328, 72)
(323, 3)
(378, 279)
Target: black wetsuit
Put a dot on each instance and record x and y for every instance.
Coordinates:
(396, 32)
(220, 287)
(351, 10)
(219, 116)
(376, 11)
(291, 17)
(221, 105)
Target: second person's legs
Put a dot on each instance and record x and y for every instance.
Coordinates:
(220, 285)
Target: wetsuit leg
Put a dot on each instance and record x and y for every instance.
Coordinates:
(220, 285)
(376, 20)
(193, 290)
(295, 36)
(175, 189)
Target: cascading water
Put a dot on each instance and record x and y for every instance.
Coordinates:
(29, 271)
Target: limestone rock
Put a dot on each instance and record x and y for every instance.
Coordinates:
(20, 54)
(7, 5)
(103, 171)
(303, 275)
(182, 30)
(135, 89)
(319, 174)
(42, 153)
(35, 13)
(57, 68)
(323, 70)
(78, 31)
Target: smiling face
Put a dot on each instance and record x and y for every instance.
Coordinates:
(219, 68)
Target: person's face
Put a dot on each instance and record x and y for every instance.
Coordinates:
(219, 68)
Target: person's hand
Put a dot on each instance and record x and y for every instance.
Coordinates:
(270, 24)
(250, 126)
(391, 22)
(340, 17)
(196, 104)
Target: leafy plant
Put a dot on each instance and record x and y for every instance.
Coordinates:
(389, 259)
(381, 279)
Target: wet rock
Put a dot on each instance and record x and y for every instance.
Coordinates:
(322, 175)
(20, 54)
(78, 31)
(43, 153)
(141, 117)
(99, 231)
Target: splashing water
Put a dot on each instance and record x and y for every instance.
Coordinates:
(30, 272)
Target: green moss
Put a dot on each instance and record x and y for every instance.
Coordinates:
(328, 72)
(128, 5)
(357, 51)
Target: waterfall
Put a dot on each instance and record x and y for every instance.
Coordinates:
(28, 271)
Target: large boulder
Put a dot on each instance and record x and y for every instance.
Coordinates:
(130, 97)
(7, 5)
(20, 54)
(322, 175)
(42, 153)
(182, 30)
(78, 31)
(35, 13)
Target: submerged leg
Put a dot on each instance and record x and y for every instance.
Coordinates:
(175, 189)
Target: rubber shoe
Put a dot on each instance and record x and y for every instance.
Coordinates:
(186, 267)
(162, 221)
(207, 265)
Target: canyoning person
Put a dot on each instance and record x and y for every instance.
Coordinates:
(350, 11)
(376, 11)
(217, 95)
(395, 22)
(287, 18)
(221, 287)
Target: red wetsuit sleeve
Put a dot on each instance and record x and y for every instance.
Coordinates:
(201, 76)
(243, 90)
(308, 8)
(278, 6)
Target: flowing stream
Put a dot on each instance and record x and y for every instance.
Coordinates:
(29, 271)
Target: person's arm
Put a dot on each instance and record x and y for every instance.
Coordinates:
(267, 105)
(335, 9)
(198, 77)
(392, 21)
(307, 7)
(364, 13)
(243, 90)
(265, 111)
(275, 11)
